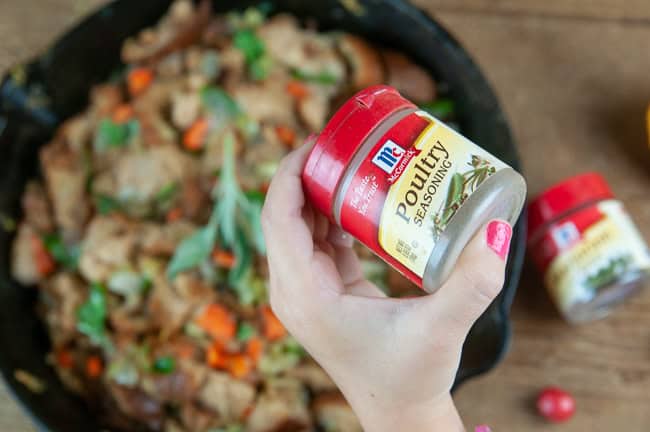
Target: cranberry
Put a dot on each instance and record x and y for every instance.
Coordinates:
(556, 405)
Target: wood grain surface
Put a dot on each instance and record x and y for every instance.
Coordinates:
(575, 91)
(626, 10)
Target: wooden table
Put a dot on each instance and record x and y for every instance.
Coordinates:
(574, 78)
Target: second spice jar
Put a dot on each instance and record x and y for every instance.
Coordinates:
(590, 252)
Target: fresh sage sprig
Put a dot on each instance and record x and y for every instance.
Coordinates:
(92, 316)
(234, 223)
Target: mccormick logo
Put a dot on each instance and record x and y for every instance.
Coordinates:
(565, 235)
(392, 159)
(388, 156)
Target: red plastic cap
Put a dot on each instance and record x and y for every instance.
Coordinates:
(566, 196)
(342, 137)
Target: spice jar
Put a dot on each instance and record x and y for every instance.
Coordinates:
(407, 186)
(590, 252)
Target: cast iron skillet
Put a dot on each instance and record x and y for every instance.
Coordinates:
(55, 86)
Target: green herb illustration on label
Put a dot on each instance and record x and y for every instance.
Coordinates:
(609, 273)
(460, 187)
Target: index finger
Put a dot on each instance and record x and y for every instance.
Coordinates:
(285, 229)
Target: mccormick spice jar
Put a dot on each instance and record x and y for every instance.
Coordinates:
(407, 186)
(590, 252)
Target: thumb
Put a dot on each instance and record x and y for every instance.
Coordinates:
(476, 280)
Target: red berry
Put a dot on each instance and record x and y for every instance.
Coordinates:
(556, 405)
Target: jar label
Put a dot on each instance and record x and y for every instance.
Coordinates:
(589, 250)
(427, 182)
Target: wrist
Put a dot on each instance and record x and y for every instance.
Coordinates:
(435, 415)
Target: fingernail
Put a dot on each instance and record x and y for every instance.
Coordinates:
(311, 139)
(347, 240)
(498, 237)
(482, 428)
(340, 238)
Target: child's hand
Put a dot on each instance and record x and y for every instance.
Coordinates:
(394, 359)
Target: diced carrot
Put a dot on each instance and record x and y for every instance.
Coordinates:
(218, 322)
(94, 366)
(216, 357)
(223, 258)
(139, 79)
(297, 89)
(123, 113)
(273, 328)
(247, 412)
(194, 138)
(174, 214)
(239, 366)
(45, 264)
(265, 187)
(64, 359)
(254, 349)
(286, 135)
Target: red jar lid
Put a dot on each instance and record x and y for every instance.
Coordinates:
(342, 137)
(563, 197)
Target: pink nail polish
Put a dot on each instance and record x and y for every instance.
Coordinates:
(311, 139)
(498, 237)
(482, 428)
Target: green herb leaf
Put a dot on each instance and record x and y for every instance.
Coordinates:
(254, 50)
(290, 345)
(193, 250)
(123, 372)
(252, 17)
(227, 195)
(249, 127)
(250, 289)
(323, 77)
(281, 356)
(240, 228)
(260, 68)
(219, 103)
(106, 205)
(164, 365)
(67, 256)
(195, 332)
(245, 331)
(441, 108)
(244, 259)
(167, 194)
(252, 223)
(249, 44)
(91, 316)
(128, 283)
(114, 135)
(210, 65)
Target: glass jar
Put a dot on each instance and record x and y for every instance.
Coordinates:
(590, 252)
(407, 186)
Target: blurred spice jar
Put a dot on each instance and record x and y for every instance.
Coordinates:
(587, 247)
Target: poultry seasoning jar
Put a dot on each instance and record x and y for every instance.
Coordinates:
(407, 186)
(590, 252)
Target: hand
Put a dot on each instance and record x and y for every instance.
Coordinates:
(394, 359)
